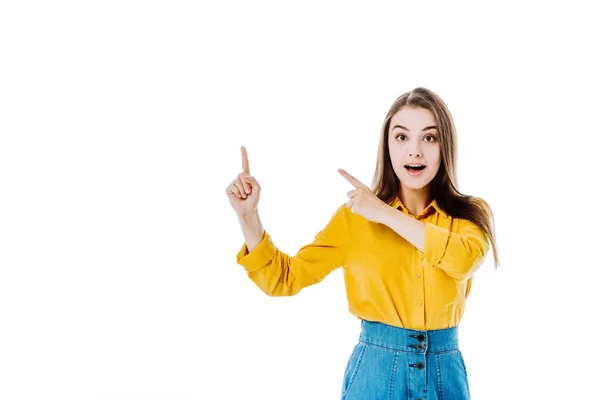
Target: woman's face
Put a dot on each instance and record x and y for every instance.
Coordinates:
(414, 140)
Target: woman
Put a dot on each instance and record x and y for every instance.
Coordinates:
(409, 248)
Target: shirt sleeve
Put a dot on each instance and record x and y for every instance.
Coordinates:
(458, 253)
(279, 274)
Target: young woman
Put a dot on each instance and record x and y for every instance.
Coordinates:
(409, 248)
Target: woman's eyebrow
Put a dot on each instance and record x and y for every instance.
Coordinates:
(406, 129)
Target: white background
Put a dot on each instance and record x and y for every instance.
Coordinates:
(121, 124)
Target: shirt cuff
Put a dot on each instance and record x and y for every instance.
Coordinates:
(259, 256)
(436, 241)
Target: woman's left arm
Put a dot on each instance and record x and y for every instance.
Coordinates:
(408, 227)
(458, 253)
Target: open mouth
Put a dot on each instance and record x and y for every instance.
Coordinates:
(415, 169)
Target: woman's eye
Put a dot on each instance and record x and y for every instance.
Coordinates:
(432, 137)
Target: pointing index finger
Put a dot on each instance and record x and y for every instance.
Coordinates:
(355, 182)
(245, 164)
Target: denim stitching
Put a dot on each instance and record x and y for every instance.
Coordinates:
(439, 376)
(378, 344)
(408, 383)
(393, 377)
(355, 370)
(462, 361)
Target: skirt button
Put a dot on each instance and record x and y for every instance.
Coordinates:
(420, 365)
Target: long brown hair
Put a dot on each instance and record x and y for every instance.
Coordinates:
(444, 187)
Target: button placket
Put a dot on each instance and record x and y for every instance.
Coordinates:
(420, 338)
(418, 360)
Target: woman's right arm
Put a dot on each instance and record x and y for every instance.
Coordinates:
(278, 274)
(275, 272)
(252, 229)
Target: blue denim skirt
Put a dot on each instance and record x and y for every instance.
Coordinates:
(389, 362)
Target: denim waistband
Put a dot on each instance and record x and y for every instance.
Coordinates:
(410, 340)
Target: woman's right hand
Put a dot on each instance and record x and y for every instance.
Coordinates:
(244, 191)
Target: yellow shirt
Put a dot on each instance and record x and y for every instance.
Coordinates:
(387, 278)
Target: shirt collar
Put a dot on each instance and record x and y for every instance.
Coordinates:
(433, 204)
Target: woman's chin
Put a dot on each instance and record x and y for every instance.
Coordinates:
(414, 184)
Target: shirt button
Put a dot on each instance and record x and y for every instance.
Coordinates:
(419, 275)
(420, 304)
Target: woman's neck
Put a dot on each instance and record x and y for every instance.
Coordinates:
(415, 200)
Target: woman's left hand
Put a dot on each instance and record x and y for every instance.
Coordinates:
(363, 201)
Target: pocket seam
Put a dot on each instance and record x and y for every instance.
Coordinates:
(462, 361)
(356, 366)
